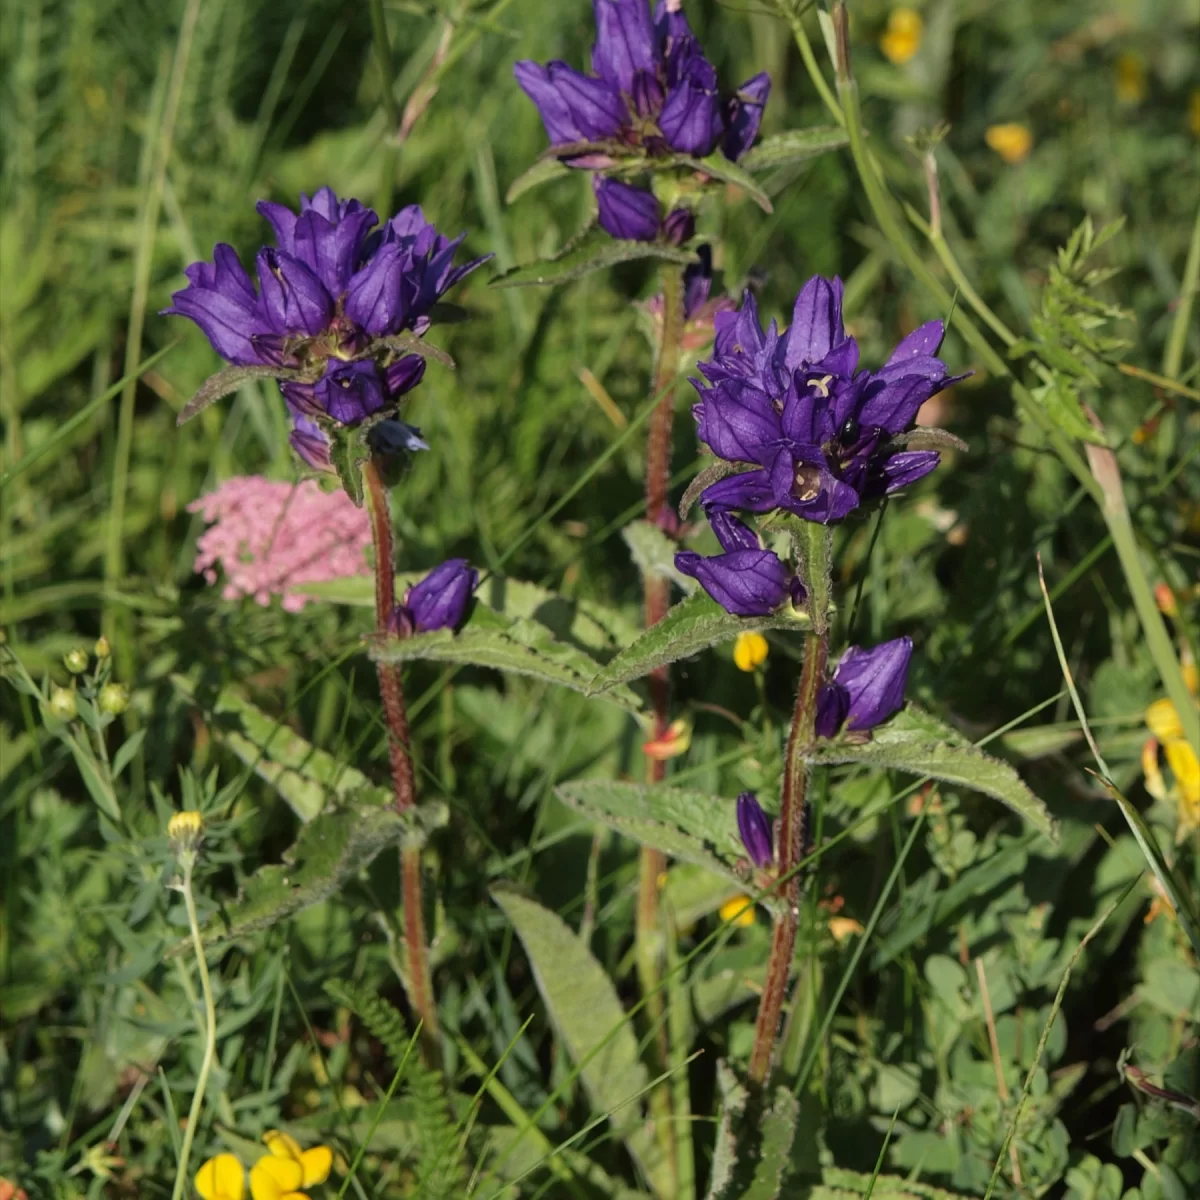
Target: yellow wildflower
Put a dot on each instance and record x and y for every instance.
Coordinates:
(186, 830)
(1012, 141)
(1131, 78)
(902, 38)
(287, 1168)
(221, 1178)
(1164, 721)
(749, 651)
(674, 742)
(738, 910)
(844, 927)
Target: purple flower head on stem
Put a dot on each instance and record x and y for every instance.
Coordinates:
(821, 436)
(755, 828)
(329, 294)
(633, 214)
(652, 93)
(745, 580)
(437, 602)
(867, 687)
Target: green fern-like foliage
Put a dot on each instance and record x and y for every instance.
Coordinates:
(440, 1167)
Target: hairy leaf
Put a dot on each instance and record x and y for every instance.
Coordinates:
(717, 166)
(228, 380)
(920, 744)
(519, 645)
(541, 172)
(591, 251)
(586, 1012)
(792, 146)
(840, 1184)
(653, 553)
(754, 1140)
(689, 627)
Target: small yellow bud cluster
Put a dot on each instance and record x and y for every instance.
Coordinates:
(76, 661)
(113, 699)
(186, 831)
(61, 704)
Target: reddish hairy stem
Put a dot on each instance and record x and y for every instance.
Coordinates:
(391, 691)
(792, 836)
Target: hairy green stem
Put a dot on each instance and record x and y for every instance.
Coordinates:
(657, 598)
(188, 861)
(391, 691)
(792, 836)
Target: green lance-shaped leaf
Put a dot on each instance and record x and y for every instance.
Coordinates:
(330, 849)
(596, 628)
(228, 380)
(754, 1141)
(586, 1013)
(793, 146)
(306, 777)
(717, 166)
(409, 343)
(519, 645)
(348, 451)
(593, 250)
(689, 627)
(693, 826)
(542, 171)
(920, 744)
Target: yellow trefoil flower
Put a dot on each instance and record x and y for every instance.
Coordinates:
(902, 39)
(1012, 141)
(280, 1174)
(738, 910)
(221, 1178)
(749, 651)
(1131, 78)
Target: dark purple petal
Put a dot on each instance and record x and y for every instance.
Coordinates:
(333, 249)
(750, 490)
(747, 583)
(325, 203)
(816, 323)
(671, 27)
(441, 598)
(739, 332)
(923, 342)
(626, 212)
(697, 282)
(690, 119)
(403, 375)
(379, 295)
(310, 443)
(679, 227)
(875, 681)
(647, 94)
(743, 114)
(595, 106)
(738, 423)
(732, 533)
(834, 499)
(222, 301)
(282, 220)
(755, 828)
(390, 437)
(833, 702)
(908, 466)
(893, 404)
(624, 42)
(535, 82)
(350, 391)
(294, 300)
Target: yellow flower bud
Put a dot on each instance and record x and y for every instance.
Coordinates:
(76, 661)
(738, 910)
(902, 39)
(102, 649)
(62, 704)
(186, 830)
(749, 651)
(114, 699)
(1012, 141)
(1131, 78)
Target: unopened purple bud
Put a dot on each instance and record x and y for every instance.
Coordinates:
(679, 226)
(440, 599)
(755, 827)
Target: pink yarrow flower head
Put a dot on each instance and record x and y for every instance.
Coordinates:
(268, 538)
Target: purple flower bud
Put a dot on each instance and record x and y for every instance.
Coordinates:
(391, 437)
(755, 827)
(746, 583)
(679, 227)
(310, 443)
(626, 212)
(438, 601)
(743, 114)
(350, 391)
(866, 689)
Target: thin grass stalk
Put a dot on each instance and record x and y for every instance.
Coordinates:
(391, 691)
(792, 836)
(1172, 363)
(657, 598)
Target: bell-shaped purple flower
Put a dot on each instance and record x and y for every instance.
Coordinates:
(755, 828)
(867, 688)
(309, 442)
(294, 301)
(327, 235)
(438, 601)
(349, 392)
(627, 212)
(653, 91)
(746, 583)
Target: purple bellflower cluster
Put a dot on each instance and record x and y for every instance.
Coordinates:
(812, 435)
(337, 305)
(653, 94)
(439, 601)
